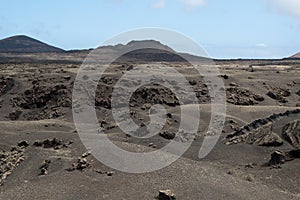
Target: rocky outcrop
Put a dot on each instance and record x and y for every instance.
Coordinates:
(260, 122)
(11, 159)
(242, 96)
(279, 94)
(52, 143)
(262, 136)
(40, 96)
(291, 133)
(6, 84)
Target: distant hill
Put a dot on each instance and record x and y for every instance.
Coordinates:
(297, 56)
(146, 51)
(134, 51)
(25, 44)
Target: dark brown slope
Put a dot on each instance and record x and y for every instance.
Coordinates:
(25, 44)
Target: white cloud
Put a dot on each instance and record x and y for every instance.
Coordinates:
(188, 4)
(159, 4)
(288, 7)
(263, 45)
(192, 4)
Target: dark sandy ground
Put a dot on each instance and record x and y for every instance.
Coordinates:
(36, 105)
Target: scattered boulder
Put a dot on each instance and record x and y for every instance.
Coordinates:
(166, 195)
(277, 158)
(80, 165)
(23, 144)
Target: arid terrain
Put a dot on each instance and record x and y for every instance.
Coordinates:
(42, 156)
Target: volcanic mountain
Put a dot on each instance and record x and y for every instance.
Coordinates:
(25, 44)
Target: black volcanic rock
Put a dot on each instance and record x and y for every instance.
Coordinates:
(25, 44)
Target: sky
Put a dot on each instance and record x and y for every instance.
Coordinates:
(225, 29)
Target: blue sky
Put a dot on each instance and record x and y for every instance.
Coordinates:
(226, 29)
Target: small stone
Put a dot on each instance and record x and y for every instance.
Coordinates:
(14, 115)
(250, 178)
(169, 115)
(44, 171)
(232, 84)
(225, 76)
(258, 97)
(232, 121)
(129, 68)
(193, 82)
(67, 77)
(85, 77)
(45, 167)
(167, 135)
(250, 165)
(86, 154)
(150, 144)
(110, 173)
(166, 195)
(231, 172)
